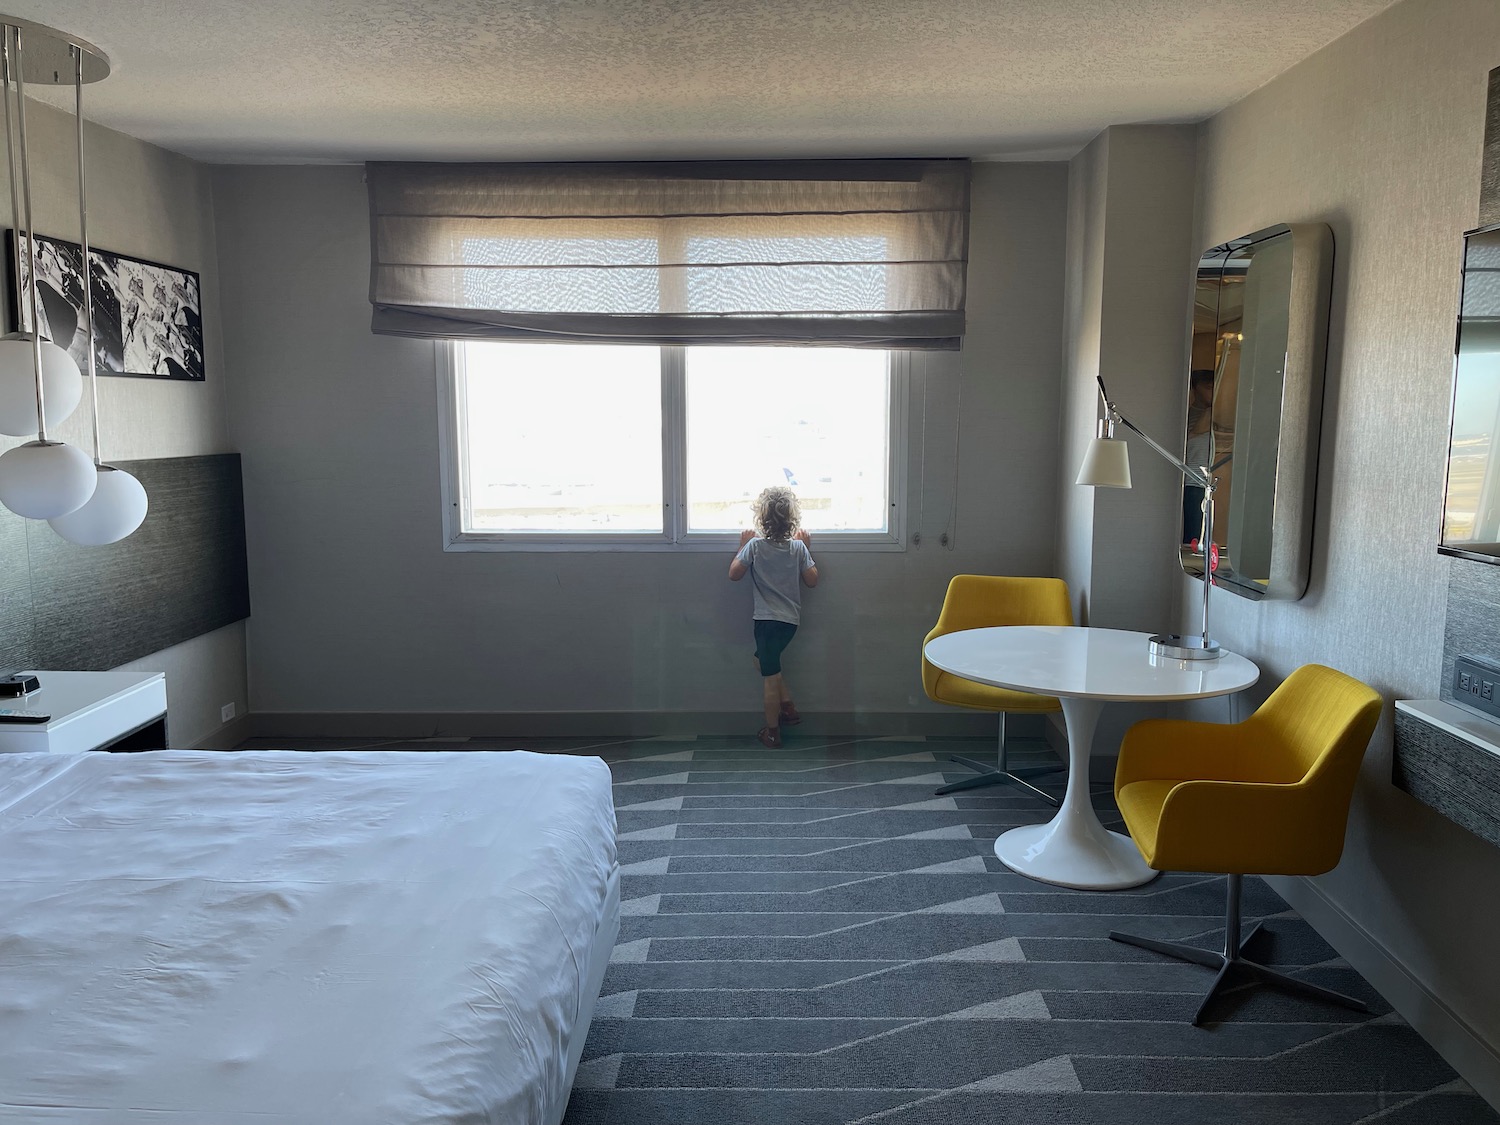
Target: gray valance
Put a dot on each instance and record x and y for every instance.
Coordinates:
(854, 253)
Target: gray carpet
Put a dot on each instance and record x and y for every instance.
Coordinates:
(811, 938)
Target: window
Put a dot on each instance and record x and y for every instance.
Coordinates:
(593, 446)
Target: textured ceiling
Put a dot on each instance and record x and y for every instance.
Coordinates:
(349, 80)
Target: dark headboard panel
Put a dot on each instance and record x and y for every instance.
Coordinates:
(183, 573)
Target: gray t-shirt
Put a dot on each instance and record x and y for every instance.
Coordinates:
(776, 575)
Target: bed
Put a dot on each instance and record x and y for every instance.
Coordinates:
(372, 938)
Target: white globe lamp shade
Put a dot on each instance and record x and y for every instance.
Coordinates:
(62, 384)
(1106, 464)
(42, 480)
(116, 509)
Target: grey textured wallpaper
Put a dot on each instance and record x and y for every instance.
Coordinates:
(181, 575)
(15, 595)
(1448, 774)
(1472, 627)
(1489, 177)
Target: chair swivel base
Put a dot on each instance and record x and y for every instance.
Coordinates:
(1235, 964)
(986, 775)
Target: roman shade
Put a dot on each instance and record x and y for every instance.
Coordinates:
(853, 253)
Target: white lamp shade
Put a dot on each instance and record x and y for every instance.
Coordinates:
(42, 480)
(1106, 464)
(116, 509)
(62, 385)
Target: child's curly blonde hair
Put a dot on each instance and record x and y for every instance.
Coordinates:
(778, 515)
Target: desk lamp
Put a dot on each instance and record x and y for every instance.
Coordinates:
(1107, 465)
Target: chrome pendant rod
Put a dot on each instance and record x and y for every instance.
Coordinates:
(83, 239)
(36, 323)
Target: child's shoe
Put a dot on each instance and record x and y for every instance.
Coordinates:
(770, 737)
(789, 716)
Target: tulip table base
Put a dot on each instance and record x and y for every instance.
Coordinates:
(1073, 849)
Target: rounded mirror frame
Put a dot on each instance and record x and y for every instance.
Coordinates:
(1259, 338)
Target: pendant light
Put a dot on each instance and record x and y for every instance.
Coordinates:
(118, 505)
(42, 479)
(62, 384)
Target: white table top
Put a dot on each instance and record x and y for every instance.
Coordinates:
(1106, 664)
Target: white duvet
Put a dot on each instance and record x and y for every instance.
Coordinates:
(319, 938)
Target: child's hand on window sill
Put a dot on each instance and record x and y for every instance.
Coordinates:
(746, 536)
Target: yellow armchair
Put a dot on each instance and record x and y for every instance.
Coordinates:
(1268, 796)
(981, 601)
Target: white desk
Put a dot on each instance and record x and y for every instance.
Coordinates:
(1085, 668)
(90, 711)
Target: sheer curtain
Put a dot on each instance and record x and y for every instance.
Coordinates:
(853, 253)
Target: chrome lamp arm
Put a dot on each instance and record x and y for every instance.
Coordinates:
(1197, 475)
(1174, 645)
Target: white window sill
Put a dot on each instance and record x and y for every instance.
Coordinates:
(827, 542)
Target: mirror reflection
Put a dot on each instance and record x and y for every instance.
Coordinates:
(1241, 316)
(1471, 506)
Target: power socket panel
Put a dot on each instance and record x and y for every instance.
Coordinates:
(1476, 685)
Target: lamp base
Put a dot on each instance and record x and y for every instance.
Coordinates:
(1175, 646)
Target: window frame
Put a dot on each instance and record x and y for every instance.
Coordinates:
(675, 536)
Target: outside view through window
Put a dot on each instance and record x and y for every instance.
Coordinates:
(816, 419)
(568, 438)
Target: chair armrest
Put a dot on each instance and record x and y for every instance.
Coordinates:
(1249, 828)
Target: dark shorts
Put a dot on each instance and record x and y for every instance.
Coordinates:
(771, 639)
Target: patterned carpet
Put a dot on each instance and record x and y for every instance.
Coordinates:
(811, 938)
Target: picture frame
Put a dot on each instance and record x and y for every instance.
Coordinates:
(148, 317)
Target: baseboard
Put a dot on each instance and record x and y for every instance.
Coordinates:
(1476, 1061)
(589, 724)
(228, 736)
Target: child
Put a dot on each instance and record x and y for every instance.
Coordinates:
(775, 562)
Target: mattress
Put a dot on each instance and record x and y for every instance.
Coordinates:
(371, 938)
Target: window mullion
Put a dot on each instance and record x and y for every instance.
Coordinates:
(674, 442)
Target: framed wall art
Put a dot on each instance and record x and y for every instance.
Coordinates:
(148, 318)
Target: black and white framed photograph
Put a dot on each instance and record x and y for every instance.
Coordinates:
(148, 318)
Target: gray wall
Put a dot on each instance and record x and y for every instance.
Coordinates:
(357, 608)
(1130, 211)
(1379, 135)
(1129, 249)
(1083, 305)
(1143, 345)
(157, 205)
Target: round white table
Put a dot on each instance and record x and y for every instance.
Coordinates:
(1085, 668)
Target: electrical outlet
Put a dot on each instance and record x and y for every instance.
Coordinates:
(226, 713)
(1474, 683)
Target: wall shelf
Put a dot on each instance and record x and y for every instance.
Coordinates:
(1449, 759)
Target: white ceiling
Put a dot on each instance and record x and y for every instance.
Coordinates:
(349, 80)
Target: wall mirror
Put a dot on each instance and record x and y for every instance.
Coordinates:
(1255, 397)
(1471, 501)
